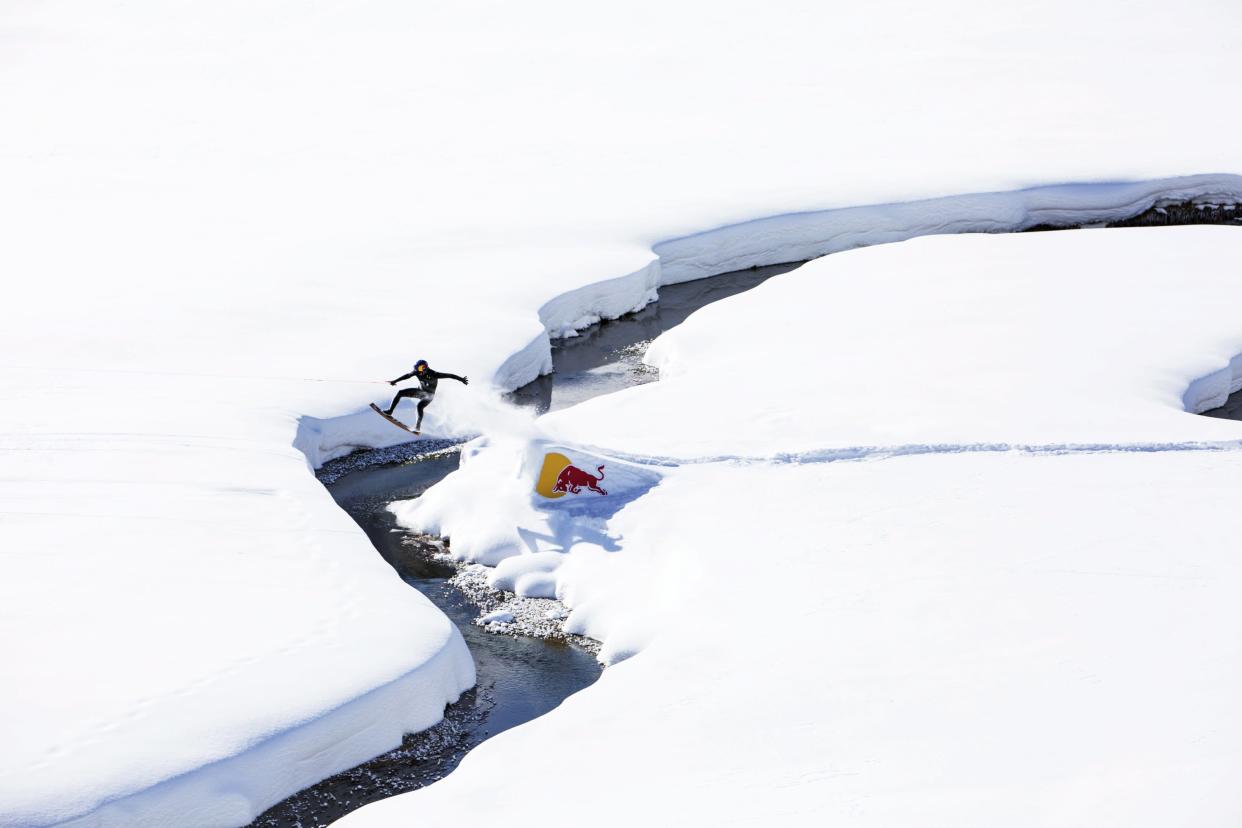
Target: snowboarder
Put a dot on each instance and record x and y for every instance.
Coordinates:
(427, 378)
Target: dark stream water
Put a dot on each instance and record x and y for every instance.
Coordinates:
(519, 677)
(608, 357)
(1231, 410)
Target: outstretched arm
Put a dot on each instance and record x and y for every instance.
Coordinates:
(442, 375)
(400, 378)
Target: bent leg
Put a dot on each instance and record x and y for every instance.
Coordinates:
(402, 394)
(422, 406)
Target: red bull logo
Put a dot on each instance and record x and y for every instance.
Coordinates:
(559, 477)
(572, 479)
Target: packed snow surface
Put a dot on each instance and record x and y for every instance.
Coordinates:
(226, 224)
(937, 627)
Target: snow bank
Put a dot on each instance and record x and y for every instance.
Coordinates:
(520, 569)
(1212, 390)
(497, 617)
(573, 310)
(233, 791)
(225, 229)
(802, 236)
(168, 620)
(526, 512)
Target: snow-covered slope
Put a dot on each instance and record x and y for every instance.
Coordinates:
(1044, 636)
(967, 640)
(209, 209)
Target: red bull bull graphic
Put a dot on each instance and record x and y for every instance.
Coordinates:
(559, 477)
(572, 479)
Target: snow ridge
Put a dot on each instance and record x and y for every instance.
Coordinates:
(808, 235)
(846, 453)
(235, 790)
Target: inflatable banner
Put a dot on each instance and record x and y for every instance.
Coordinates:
(579, 480)
(559, 477)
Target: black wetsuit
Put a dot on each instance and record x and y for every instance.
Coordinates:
(428, 379)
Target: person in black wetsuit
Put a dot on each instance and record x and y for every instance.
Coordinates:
(428, 378)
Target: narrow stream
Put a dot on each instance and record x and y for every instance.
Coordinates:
(519, 677)
(1231, 410)
(608, 357)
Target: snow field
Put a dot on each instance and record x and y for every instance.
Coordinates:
(225, 225)
(159, 429)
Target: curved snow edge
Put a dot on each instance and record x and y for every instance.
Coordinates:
(1211, 391)
(796, 237)
(802, 236)
(236, 790)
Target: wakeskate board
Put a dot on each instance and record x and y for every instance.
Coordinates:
(393, 420)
